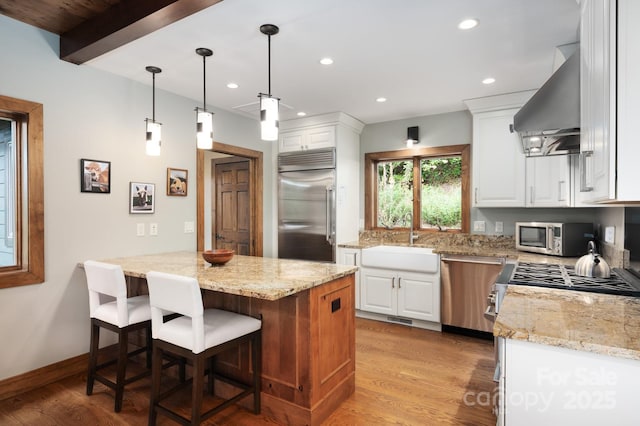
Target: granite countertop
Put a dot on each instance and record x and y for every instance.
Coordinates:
(591, 322)
(259, 277)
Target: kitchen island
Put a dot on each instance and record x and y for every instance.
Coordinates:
(308, 325)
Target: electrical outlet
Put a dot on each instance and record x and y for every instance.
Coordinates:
(499, 227)
(153, 229)
(478, 226)
(610, 234)
(140, 229)
(188, 227)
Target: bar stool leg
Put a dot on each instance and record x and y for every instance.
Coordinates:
(148, 342)
(256, 353)
(123, 346)
(210, 383)
(93, 356)
(198, 386)
(156, 371)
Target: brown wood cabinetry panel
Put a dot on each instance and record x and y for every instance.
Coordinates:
(333, 354)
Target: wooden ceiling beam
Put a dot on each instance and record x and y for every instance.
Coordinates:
(122, 23)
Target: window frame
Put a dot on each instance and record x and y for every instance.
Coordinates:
(371, 161)
(31, 269)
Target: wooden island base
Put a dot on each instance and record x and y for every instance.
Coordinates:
(308, 344)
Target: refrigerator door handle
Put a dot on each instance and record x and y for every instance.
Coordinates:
(329, 230)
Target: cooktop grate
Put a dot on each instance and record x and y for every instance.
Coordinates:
(564, 277)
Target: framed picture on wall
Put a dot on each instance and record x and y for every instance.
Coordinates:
(142, 197)
(95, 176)
(177, 182)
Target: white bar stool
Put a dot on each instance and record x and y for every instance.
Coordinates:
(198, 335)
(122, 316)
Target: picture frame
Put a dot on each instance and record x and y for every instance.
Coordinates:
(142, 197)
(95, 176)
(177, 182)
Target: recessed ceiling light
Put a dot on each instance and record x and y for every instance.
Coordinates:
(381, 99)
(326, 61)
(489, 80)
(302, 114)
(467, 24)
(232, 85)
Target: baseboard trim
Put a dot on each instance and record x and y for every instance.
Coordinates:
(42, 376)
(50, 373)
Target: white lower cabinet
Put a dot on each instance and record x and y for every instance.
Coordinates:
(551, 385)
(400, 293)
(351, 256)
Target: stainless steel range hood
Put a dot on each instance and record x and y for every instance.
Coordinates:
(549, 124)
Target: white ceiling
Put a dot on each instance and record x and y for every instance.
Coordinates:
(408, 51)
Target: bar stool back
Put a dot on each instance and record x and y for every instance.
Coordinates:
(122, 316)
(198, 335)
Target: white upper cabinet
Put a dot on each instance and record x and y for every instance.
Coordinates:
(548, 181)
(309, 138)
(498, 161)
(610, 100)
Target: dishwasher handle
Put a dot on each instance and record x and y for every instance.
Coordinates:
(480, 262)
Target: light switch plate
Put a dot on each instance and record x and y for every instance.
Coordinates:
(478, 226)
(499, 227)
(188, 228)
(153, 229)
(610, 234)
(140, 229)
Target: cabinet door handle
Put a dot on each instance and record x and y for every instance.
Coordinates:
(355, 259)
(399, 284)
(475, 195)
(531, 195)
(393, 282)
(561, 190)
(584, 155)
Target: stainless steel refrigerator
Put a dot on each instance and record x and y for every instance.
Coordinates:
(306, 205)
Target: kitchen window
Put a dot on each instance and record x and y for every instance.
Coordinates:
(425, 188)
(21, 193)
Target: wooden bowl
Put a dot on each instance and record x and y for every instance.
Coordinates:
(217, 256)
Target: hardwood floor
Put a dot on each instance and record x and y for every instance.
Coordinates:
(404, 376)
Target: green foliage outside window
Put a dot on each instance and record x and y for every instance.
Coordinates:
(441, 193)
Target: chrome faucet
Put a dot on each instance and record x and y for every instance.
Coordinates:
(412, 236)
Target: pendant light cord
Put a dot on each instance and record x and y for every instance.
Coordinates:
(204, 82)
(269, 62)
(153, 106)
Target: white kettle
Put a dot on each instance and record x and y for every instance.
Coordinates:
(592, 264)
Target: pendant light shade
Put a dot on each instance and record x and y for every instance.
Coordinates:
(204, 118)
(269, 116)
(154, 129)
(154, 133)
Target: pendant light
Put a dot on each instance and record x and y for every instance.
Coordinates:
(154, 129)
(204, 118)
(269, 121)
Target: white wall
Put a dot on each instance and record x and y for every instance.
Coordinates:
(96, 115)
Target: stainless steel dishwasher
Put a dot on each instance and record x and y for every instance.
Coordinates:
(466, 283)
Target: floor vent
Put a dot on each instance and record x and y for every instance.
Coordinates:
(400, 320)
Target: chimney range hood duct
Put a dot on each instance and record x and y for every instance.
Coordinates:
(549, 123)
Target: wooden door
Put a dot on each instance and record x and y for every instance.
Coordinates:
(232, 224)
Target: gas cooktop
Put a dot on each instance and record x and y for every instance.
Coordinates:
(622, 282)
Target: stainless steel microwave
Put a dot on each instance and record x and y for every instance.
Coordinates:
(556, 239)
